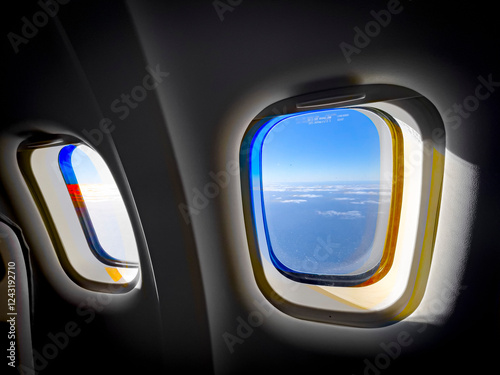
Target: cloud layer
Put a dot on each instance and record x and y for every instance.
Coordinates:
(342, 214)
(293, 200)
(357, 194)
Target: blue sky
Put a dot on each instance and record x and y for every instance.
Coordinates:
(320, 146)
(85, 170)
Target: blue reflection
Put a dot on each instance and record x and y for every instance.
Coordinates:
(73, 162)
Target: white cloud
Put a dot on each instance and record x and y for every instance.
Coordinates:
(300, 189)
(344, 199)
(303, 189)
(342, 214)
(293, 201)
(372, 189)
(366, 202)
(307, 195)
(361, 187)
(368, 192)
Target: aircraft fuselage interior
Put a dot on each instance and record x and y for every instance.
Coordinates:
(241, 187)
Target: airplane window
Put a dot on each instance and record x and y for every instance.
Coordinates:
(324, 189)
(84, 213)
(98, 204)
(340, 195)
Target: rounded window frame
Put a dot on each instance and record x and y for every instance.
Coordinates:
(71, 246)
(361, 305)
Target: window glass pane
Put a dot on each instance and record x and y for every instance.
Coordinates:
(99, 205)
(326, 193)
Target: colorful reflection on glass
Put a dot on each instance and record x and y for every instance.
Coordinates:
(99, 206)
